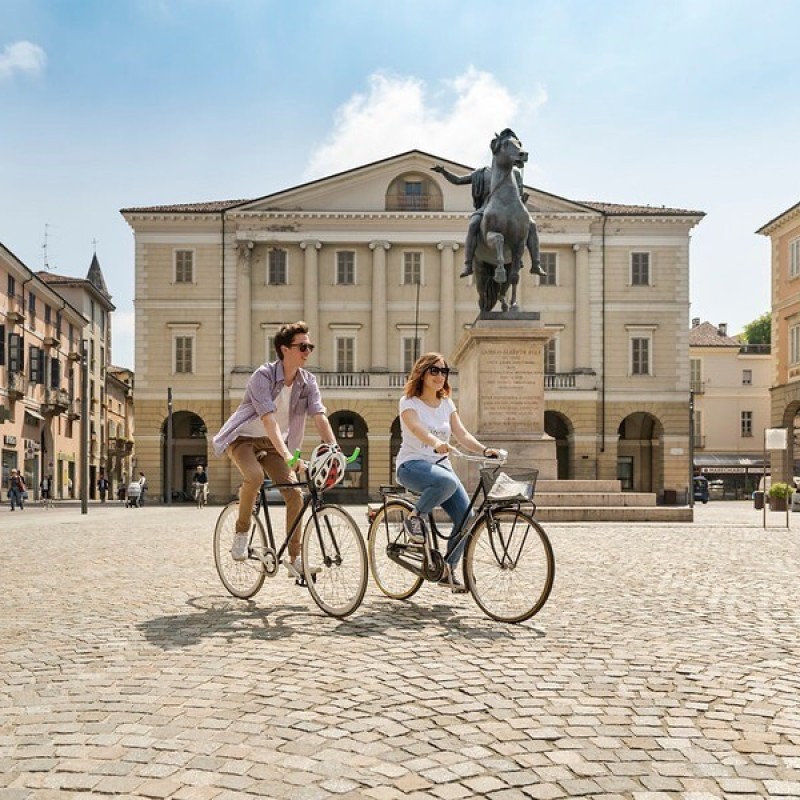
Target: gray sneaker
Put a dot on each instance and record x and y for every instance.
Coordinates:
(239, 546)
(295, 569)
(415, 530)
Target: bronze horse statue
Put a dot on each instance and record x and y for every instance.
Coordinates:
(505, 228)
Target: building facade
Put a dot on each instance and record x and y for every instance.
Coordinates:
(784, 234)
(730, 383)
(370, 259)
(91, 296)
(40, 380)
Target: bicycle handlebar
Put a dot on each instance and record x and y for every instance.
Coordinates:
(498, 459)
(350, 459)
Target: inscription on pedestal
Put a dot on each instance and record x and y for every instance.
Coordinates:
(512, 387)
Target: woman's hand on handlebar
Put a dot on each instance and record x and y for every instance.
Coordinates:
(494, 452)
(442, 448)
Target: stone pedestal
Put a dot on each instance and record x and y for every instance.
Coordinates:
(500, 366)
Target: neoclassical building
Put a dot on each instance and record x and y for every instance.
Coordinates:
(370, 259)
(784, 235)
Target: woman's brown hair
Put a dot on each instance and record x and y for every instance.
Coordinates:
(413, 387)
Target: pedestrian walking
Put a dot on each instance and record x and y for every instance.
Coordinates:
(17, 490)
(102, 487)
(142, 488)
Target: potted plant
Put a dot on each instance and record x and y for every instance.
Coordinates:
(779, 494)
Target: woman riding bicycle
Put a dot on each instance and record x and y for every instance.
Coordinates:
(427, 418)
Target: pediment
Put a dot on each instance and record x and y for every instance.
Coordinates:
(372, 188)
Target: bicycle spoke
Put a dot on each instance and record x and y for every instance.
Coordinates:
(241, 578)
(387, 535)
(509, 565)
(335, 561)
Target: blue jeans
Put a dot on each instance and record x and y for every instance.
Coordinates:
(15, 498)
(437, 486)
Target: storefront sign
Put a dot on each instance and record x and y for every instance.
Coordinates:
(11, 441)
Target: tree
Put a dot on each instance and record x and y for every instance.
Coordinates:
(759, 331)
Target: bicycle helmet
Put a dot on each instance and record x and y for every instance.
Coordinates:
(327, 466)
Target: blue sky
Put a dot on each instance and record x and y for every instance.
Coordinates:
(103, 105)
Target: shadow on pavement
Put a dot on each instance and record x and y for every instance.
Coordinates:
(215, 616)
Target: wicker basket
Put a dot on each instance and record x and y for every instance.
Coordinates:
(509, 484)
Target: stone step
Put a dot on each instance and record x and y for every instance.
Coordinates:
(615, 514)
(594, 499)
(578, 486)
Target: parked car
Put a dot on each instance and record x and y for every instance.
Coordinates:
(701, 488)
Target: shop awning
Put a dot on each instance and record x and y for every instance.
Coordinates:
(34, 414)
(726, 462)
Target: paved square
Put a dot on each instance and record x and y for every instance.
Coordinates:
(665, 664)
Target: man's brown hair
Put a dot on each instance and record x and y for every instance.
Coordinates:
(284, 337)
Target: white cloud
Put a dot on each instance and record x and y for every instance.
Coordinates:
(22, 57)
(400, 113)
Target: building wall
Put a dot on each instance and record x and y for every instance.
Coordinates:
(233, 312)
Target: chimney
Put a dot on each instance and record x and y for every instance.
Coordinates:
(695, 321)
(723, 329)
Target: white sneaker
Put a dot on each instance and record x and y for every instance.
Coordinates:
(239, 546)
(295, 569)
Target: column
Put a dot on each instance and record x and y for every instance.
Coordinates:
(311, 249)
(447, 298)
(582, 352)
(244, 304)
(380, 358)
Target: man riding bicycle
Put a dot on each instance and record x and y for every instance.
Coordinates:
(200, 482)
(270, 423)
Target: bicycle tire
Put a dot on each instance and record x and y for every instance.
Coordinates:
(509, 566)
(242, 579)
(387, 530)
(332, 543)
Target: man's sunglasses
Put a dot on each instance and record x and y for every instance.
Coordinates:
(303, 347)
(439, 371)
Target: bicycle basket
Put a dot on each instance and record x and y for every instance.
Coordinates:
(508, 484)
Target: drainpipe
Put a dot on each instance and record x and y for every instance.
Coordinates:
(603, 341)
(222, 325)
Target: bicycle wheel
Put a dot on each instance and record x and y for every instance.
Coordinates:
(509, 565)
(387, 536)
(333, 545)
(241, 578)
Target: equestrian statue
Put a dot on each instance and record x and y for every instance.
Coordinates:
(500, 228)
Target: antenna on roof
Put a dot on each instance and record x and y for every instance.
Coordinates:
(44, 248)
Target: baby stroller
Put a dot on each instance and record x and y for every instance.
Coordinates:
(134, 490)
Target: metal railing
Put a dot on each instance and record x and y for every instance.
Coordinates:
(413, 202)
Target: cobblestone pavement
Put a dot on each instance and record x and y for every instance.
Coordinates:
(665, 665)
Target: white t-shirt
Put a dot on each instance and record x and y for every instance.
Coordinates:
(255, 428)
(437, 422)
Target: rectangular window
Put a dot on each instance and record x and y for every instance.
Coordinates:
(794, 344)
(277, 269)
(747, 423)
(625, 472)
(32, 303)
(12, 286)
(412, 350)
(55, 373)
(16, 354)
(183, 354)
(91, 355)
(345, 354)
(2, 345)
(640, 356)
(696, 375)
(549, 261)
(345, 267)
(48, 312)
(747, 377)
(184, 266)
(640, 269)
(550, 365)
(698, 428)
(412, 268)
(35, 364)
(794, 258)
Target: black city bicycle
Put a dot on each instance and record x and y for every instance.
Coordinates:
(333, 553)
(508, 563)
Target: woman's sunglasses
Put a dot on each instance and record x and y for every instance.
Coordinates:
(439, 371)
(303, 347)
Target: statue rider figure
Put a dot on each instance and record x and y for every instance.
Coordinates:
(480, 180)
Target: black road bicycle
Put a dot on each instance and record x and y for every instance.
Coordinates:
(332, 550)
(508, 562)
